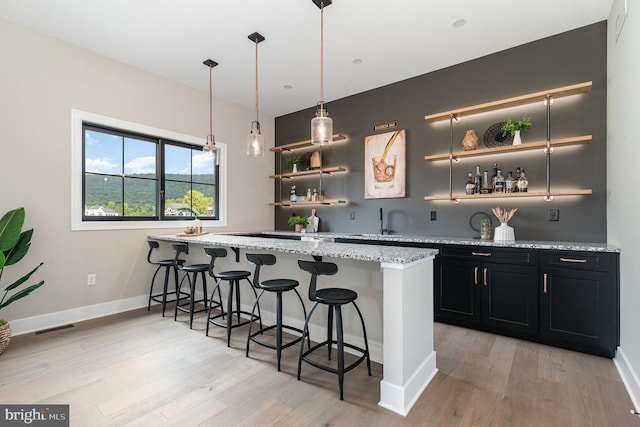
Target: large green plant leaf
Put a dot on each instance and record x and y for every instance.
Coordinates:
(23, 279)
(20, 249)
(23, 293)
(10, 228)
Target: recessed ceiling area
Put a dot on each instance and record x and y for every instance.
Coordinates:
(391, 41)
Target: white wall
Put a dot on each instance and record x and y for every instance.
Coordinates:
(623, 161)
(41, 80)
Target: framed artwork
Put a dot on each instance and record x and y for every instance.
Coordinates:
(385, 165)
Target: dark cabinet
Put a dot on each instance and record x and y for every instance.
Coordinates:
(472, 291)
(579, 301)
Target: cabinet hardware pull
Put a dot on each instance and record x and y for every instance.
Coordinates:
(485, 276)
(475, 274)
(544, 283)
(481, 253)
(581, 261)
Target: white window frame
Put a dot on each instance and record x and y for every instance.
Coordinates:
(79, 117)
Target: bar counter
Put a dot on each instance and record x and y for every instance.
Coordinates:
(402, 277)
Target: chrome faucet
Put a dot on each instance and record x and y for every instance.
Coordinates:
(382, 229)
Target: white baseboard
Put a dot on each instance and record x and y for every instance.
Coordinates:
(629, 378)
(61, 318)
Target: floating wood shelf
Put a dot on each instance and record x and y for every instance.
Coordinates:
(577, 140)
(326, 171)
(511, 102)
(303, 144)
(510, 195)
(323, 203)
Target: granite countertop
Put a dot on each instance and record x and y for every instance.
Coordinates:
(319, 246)
(524, 244)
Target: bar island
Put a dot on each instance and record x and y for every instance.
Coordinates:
(395, 287)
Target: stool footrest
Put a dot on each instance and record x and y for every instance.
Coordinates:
(233, 314)
(328, 368)
(296, 340)
(170, 297)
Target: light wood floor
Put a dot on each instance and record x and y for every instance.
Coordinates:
(139, 369)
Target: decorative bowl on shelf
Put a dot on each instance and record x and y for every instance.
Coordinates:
(493, 136)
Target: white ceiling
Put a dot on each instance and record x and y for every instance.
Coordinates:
(394, 39)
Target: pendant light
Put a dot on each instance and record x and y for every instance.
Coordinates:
(321, 124)
(210, 145)
(255, 140)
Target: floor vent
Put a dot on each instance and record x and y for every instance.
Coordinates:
(46, 331)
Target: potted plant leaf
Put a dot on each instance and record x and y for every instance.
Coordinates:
(514, 128)
(14, 244)
(295, 161)
(298, 222)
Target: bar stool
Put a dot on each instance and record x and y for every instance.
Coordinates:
(168, 265)
(194, 269)
(233, 279)
(334, 298)
(278, 286)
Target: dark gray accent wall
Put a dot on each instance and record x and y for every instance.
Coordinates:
(564, 59)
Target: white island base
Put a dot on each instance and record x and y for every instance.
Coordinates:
(409, 359)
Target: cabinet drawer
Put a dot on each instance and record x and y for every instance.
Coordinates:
(490, 254)
(594, 261)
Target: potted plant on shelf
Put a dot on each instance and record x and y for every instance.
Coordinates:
(514, 128)
(298, 222)
(294, 160)
(14, 244)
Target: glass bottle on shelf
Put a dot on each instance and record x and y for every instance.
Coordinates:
(510, 183)
(477, 180)
(498, 185)
(486, 185)
(493, 177)
(293, 197)
(523, 182)
(470, 188)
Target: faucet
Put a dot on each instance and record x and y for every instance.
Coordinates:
(382, 229)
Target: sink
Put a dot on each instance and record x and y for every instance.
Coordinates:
(317, 239)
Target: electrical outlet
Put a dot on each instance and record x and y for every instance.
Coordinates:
(554, 214)
(434, 216)
(352, 214)
(91, 279)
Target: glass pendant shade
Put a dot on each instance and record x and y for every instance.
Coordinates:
(255, 144)
(211, 149)
(321, 128)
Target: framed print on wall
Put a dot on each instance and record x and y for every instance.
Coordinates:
(385, 165)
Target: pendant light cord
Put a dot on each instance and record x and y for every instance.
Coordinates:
(257, 121)
(210, 100)
(321, 54)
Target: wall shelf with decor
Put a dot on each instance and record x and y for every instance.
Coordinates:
(319, 172)
(548, 145)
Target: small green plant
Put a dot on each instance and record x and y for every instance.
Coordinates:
(293, 160)
(511, 127)
(14, 244)
(294, 220)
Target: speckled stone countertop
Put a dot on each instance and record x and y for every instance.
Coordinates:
(317, 247)
(524, 244)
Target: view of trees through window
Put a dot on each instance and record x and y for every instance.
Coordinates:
(125, 178)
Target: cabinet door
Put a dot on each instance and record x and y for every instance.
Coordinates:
(510, 297)
(577, 307)
(457, 291)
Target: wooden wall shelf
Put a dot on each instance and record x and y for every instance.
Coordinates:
(326, 171)
(323, 203)
(510, 195)
(511, 102)
(512, 148)
(303, 144)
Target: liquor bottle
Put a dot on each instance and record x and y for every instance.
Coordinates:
(515, 186)
(498, 186)
(493, 177)
(510, 184)
(486, 185)
(292, 195)
(470, 187)
(523, 182)
(477, 180)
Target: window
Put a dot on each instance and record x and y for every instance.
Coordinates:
(133, 176)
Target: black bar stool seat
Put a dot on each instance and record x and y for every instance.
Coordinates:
(334, 298)
(278, 286)
(168, 264)
(233, 279)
